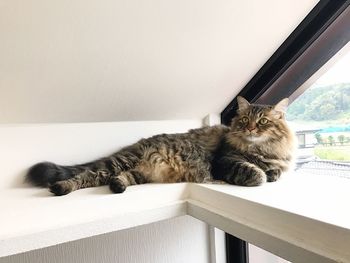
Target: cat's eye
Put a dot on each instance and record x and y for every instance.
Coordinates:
(245, 119)
(263, 121)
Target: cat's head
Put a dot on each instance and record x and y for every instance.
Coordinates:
(260, 123)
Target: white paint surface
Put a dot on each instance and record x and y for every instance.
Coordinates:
(282, 224)
(45, 220)
(281, 217)
(217, 245)
(21, 146)
(180, 240)
(106, 60)
(262, 256)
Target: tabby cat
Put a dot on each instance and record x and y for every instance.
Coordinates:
(257, 148)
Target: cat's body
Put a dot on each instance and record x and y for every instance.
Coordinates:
(200, 155)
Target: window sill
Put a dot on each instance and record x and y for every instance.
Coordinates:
(302, 218)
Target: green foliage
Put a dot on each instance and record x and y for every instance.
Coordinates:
(319, 138)
(321, 103)
(341, 139)
(341, 153)
(331, 140)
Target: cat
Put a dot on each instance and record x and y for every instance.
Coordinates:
(257, 147)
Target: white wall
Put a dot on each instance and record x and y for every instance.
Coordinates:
(108, 60)
(257, 254)
(180, 240)
(88, 60)
(21, 146)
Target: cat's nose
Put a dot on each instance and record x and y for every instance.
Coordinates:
(251, 128)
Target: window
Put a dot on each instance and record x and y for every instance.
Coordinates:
(321, 118)
(288, 73)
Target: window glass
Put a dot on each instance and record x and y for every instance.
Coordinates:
(321, 119)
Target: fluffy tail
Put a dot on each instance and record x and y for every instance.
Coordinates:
(45, 174)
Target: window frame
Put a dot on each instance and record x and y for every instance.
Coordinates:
(308, 47)
(322, 34)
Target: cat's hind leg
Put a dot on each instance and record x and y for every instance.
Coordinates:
(84, 179)
(119, 183)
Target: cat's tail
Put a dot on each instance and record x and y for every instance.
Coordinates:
(46, 173)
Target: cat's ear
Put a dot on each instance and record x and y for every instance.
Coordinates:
(282, 105)
(242, 103)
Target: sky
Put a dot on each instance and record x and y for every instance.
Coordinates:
(339, 73)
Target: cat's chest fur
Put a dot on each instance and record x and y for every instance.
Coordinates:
(272, 154)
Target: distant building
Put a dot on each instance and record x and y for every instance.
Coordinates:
(306, 138)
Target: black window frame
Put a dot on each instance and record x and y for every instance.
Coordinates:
(303, 44)
(322, 33)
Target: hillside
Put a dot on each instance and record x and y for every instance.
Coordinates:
(320, 104)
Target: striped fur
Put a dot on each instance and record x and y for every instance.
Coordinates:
(200, 155)
(255, 151)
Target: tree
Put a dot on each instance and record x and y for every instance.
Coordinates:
(321, 103)
(341, 139)
(331, 140)
(318, 138)
(326, 111)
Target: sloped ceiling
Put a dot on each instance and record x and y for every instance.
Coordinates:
(117, 60)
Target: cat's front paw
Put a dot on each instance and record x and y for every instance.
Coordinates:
(61, 188)
(248, 175)
(273, 175)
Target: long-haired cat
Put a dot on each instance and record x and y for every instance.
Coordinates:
(257, 148)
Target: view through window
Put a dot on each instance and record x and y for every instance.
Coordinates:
(321, 119)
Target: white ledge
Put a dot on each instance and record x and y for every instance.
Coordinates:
(302, 218)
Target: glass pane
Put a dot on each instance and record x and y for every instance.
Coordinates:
(321, 119)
